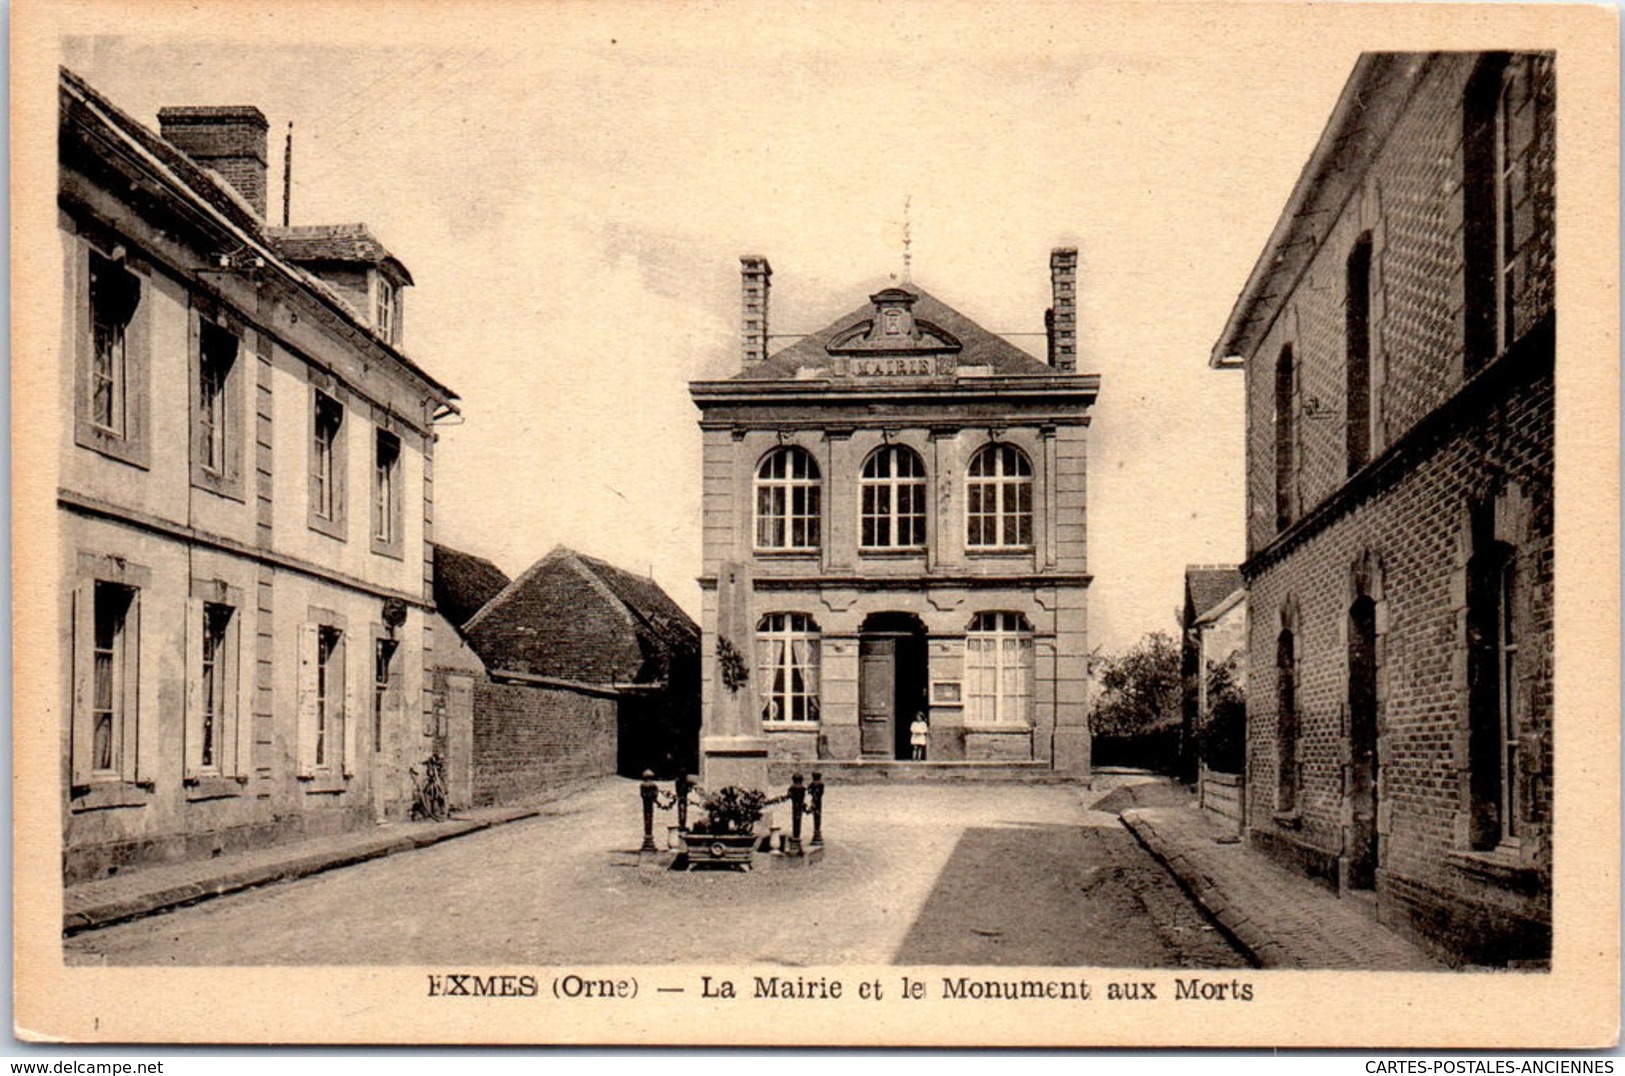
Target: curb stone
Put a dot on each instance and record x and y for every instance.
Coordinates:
(126, 908)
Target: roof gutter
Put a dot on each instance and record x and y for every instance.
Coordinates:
(1225, 354)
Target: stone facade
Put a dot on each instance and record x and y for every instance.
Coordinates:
(898, 501)
(1398, 338)
(245, 495)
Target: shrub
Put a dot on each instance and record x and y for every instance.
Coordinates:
(729, 810)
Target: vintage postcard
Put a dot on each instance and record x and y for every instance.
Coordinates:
(910, 524)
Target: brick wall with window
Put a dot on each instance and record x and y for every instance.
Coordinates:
(1445, 533)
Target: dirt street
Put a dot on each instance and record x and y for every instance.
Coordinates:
(912, 873)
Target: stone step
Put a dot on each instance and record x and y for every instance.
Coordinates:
(865, 771)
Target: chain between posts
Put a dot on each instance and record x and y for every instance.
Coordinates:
(686, 788)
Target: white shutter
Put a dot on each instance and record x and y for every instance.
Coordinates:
(339, 669)
(305, 734)
(82, 636)
(137, 740)
(244, 674)
(195, 702)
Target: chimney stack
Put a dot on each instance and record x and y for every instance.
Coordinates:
(229, 139)
(1061, 320)
(756, 277)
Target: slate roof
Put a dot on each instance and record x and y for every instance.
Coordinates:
(463, 583)
(578, 618)
(84, 103)
(978, 346)
(1208, 585)
(346, 244)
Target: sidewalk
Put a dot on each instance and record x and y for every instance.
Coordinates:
(126, 896)
(1280, 919)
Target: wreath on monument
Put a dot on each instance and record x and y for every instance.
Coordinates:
(735, 673)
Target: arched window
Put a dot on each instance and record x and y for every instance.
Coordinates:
(1286, 463)
(1493, 629)
(787, 500)
(998, 670)
(1286, 722)
(893, 486)
(1357, 354)
(787, 666)
(1000, 499)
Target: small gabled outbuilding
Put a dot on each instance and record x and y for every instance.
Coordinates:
(588, 670)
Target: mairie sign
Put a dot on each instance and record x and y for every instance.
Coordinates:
(894, 366)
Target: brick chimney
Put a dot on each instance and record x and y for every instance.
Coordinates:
(1061, 320)
(229, 139)
(756, 277)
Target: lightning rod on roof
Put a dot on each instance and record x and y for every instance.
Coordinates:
(908, 238)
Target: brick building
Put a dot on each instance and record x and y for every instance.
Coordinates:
(1397, 336)
(588, 670)
(894, 525)
(244, 499)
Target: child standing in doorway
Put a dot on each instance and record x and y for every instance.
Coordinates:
(917, 735)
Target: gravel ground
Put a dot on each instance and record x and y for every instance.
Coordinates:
(912, 873)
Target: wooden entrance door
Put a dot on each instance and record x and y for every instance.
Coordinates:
(877, 696)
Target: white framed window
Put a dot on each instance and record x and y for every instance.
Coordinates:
(385, 316)
(211, 730)
(325, 740)
(893, 490)
(114, 296)
(110, 408)
(999, 490)
(217, 354)
(327, 465)
(999, 670)
(386, 494)
(106, 682)
(111, 675)
(787, 667)
(787, 500)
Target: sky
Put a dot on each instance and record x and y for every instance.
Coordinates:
(572, 186)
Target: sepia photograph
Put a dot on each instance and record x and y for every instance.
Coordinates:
(1052, 525)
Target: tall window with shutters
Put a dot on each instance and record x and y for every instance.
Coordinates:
(327, 465)
(106, 682)
(211, 720)
(111, 397)
(325, 740)
(387, 525)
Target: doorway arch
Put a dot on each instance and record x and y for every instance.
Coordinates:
(892, 680)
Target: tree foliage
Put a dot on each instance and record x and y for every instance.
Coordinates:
(1222, 730)
(1141, 689)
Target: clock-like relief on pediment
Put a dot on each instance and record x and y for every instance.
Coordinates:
(893, 330)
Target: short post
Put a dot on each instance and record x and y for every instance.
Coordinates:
(816, 789)
(649, 791)
(798, 801)
(684, 783)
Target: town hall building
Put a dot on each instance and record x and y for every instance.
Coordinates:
(894, 529)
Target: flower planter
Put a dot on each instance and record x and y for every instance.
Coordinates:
(732, 849)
